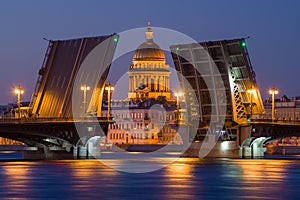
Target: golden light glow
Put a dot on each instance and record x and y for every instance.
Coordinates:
(266, 168)
(178, 94)
(84, 87)
(273, 91)
(252, 91)
(19, 91)
(109, 87)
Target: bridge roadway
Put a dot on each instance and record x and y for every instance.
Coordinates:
(67, 133)
(276, 129)
(256, 134)
(53, 131)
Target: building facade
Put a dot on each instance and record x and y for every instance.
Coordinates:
(142, 123)
(286, 109)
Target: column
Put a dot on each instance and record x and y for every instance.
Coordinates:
(149, 81)
(134, 83)
(167, 83)
(157, 83)
(160, 84)
(130, 84)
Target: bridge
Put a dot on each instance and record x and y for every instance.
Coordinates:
(66, 105)
(57, 133)
(259, 132)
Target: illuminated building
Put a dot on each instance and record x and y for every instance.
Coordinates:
(149, 75)
(286, 109)
(144, 117)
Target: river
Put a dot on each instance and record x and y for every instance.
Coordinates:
(186, 178)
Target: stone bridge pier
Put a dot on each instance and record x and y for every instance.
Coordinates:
(87, 148)
(250, 147)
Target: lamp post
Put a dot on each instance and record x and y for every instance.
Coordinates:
(84, 88)
(251, 92)
(178, 94)
(273, 91)
(19, 91)
(108, 88)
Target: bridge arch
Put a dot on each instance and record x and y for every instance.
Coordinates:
(253, 147)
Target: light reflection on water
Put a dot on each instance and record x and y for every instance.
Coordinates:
(187, 178)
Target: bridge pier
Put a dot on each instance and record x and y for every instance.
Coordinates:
(87, 152)
(253, 148)
(244, 132)
(250, 147)
(91, 149)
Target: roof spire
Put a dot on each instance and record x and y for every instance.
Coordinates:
(149, 33)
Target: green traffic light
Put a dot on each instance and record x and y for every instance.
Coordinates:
(115, 39)
(243, 44)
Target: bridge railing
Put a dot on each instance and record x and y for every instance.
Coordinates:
(58, 119)
(297, 122)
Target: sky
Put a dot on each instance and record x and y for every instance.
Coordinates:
(273, 27)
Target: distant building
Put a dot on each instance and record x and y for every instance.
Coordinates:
(144, 117)
(286, 109)
(11, 110)
(142, 122)
(4, 109)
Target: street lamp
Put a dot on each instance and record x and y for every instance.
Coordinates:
(273, 91)
(251, 92)
(84, 88)
(109, 88)
(178, 95)
(19, 91)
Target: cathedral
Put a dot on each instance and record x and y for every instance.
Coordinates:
(137, 122)
(149, 75)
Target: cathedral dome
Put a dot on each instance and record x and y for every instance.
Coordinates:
(148, 50)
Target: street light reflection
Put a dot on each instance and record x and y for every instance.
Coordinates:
(16, 178)
(263, 170)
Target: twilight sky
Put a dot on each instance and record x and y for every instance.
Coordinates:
(273, 27)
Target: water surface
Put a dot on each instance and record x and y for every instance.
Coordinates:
(187, 178)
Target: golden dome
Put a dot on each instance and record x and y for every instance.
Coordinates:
(149, 50)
